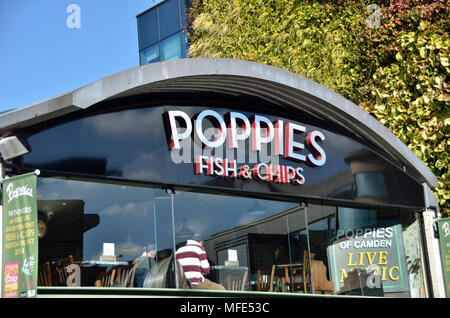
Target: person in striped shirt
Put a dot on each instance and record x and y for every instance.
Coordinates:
(192, 258)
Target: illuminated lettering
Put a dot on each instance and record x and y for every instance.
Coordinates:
(175, 136)
(290, 144)
(316, 149)
(258, 138)
(220, 124)
(288, 140)
(233, 136)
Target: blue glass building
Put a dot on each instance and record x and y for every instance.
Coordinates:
(162, 32)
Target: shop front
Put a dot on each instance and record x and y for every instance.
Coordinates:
(291, 188)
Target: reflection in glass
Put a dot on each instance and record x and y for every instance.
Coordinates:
(169, 18)
(254, 242)
(371, 184)
(171, 48)
(363, 252)
(130, 145)
(82, 216)
(105, 227)
(350, 218)
(251, 244)
(184, 44)
(184, 8)
(148, 29)
(150, 55)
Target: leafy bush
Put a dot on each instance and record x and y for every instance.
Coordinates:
(412, 99)
(310, 39)
(391, 60)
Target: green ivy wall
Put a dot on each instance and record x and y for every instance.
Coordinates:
(391, 59)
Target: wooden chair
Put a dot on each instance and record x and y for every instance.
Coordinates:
(163, 276)
(61, 268)
(264, 280)
(278, 280)
(234, 282)
(318, 271)
(306, 273)
(125, 276)
(321, 284)
(44, 275)
(286, 277)
(107, 278)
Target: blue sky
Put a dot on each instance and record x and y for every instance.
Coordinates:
(41, 57)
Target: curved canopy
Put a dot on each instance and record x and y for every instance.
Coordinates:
(231, 77)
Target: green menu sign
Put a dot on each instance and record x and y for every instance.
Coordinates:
(20, 237)
(444, 239)
(377, 248)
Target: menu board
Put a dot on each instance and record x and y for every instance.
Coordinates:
(20, 237)
(377, 249)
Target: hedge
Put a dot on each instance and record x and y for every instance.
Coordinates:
(391, 59)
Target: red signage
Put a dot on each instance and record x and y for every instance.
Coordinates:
(260, 171)
(259, 130)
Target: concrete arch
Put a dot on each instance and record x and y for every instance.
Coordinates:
(233, 77)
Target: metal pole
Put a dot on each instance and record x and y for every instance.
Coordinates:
(154, 231)
(173, 240)
(309, 249)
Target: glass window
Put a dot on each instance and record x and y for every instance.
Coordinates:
(365, 252)
(103, 227)
(148, 29)
(132, 234)
(171, 48)
(184, 9)
(169, 18)
(184, 44)
(251, 244)
(371, 184)
(150, 55)
(183, 13)
(243, 236)
(130, 144)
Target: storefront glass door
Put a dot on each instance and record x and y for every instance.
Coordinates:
(248, 241)
(105, 226)
(122, 235)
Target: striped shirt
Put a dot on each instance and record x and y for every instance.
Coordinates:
(193, 260)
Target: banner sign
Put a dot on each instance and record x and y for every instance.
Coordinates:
(376, 249)
(444, 239)
(227, 149)
(20, 237)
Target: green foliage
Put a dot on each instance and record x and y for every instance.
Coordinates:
(397, 71)
(309, 39)
(412, 99)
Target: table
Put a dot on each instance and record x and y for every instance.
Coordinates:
(104, 263)
(220, 267)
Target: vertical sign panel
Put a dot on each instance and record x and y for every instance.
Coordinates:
(378, 249)
(20, 237)
(444, 239)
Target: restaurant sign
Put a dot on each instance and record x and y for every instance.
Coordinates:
(283, 137)
(20, 237)
(376, 249)
(444, 239)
